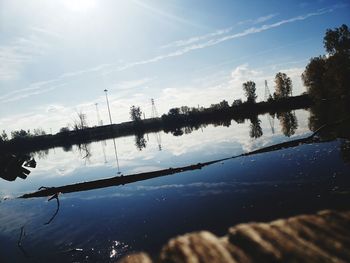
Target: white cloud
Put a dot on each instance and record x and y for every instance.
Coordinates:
(242, 73)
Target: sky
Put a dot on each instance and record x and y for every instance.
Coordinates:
(58, 57)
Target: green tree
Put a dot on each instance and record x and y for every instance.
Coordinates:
(249, 91)
(135, 113)
(283, 86)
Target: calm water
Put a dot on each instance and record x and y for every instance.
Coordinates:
(104, 224)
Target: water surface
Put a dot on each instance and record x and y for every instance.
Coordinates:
(104, 224)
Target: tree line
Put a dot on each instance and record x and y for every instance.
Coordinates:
(325, 77)
(283, 89)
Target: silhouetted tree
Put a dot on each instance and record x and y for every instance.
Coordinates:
(283, 85)
(39, 132)
(337, 40)
(220, 106)
(135, 113)
(64, 130)
(237, 102)
(81, 122)
(289, 123)
(249, 91)
(185, 110)
(255, 128)
(174, 112)
(20, 134)
(329, 76)
(3, 136)
(313, 76)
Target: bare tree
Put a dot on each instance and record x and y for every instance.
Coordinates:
(80, 122)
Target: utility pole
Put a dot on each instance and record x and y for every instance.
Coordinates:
(110, 119)
(157, 134)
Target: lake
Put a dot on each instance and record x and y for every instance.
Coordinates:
(102, 225)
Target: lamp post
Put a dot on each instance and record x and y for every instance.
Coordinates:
(110, 119)
(109, 111)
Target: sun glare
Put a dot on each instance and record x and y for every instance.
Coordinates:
(79, 5)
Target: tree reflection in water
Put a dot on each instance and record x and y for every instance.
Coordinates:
(289, 123)
(255, 127)
(335, 115)
(140, 141)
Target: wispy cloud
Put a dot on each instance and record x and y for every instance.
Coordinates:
(40, 87)
(258, 20)
(14, 55)
(185, 42)
(126, 85)
(21, 51)
(48, 32)
(216, 41)
(28, 92)
(223, 31)
(32, 88)
(163, 14)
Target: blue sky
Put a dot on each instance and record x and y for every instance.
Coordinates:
(57, 57)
